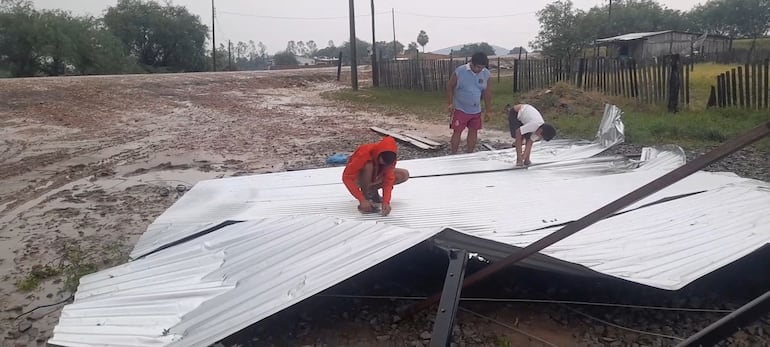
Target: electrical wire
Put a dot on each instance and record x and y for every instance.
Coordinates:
(466, 17)
(297, 18)
(507, 326)
(44, 306)
(622, 327)
(536, 301)
(376, 13)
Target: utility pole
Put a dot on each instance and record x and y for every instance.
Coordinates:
(393, 17)
(213, 37)
(353, 62)
(375, 71)
(230, 55)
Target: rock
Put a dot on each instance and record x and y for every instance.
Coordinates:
(24, 326)
(396, 319)
(456, 331)
(599, 329)
(383, 338)
(425, 335)
(416, 343)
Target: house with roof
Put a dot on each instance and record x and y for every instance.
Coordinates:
(649, 45)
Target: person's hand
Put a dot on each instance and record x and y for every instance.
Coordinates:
(451, 109)
(486, 116)
(385, 210)
(365, 206)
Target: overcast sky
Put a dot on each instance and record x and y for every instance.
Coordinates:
(506, 23)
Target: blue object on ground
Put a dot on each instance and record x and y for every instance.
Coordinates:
(338, 158)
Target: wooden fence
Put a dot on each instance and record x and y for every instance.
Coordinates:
(745, 86)
(427, 75)
(665, 81)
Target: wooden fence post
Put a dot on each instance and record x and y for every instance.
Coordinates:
(741, 95)
(339, 66)
(516, 75)
(673, 85)
(767, 83)
(581, 71)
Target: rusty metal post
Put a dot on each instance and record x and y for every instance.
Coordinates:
(664, 181)
(726, 326)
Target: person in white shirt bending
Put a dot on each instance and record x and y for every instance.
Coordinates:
(527, 126)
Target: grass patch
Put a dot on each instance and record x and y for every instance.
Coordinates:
(75, 262)
(702, 77)
(37, 275)
(645, 124)
(763, 43)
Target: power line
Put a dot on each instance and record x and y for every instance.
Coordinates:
(377, 13)
(507, 326)
(295, 18)
(466, 17)
(536, 301)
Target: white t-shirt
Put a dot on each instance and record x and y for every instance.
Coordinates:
(530, 118)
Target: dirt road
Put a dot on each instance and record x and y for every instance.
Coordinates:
(86, 163)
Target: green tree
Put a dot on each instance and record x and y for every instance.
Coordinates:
(469, 49)
(629, 16)
(560, 35)
(161, 37)
(422, 39)
(387, 50)
(19, 46)
(285, 58)
(312, 48)
(55, 43)
(291, 47)
(412, 49)
(734, 18)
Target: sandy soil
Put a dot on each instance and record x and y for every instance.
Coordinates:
(87, 163)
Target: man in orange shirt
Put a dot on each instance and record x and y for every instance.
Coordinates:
(371, 167)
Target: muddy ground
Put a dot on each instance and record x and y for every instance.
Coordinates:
(87, 163)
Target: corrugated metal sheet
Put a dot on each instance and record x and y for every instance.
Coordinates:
(213, 201)
(632, 36)
(201, 291)
(214, 283)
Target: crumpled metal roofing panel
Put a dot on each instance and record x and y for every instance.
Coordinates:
(213, 201)
(666, 245)
(203, 290)
(632, 36)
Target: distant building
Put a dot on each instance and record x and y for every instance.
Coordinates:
(648, 45)
(423, 56)
(305, 61)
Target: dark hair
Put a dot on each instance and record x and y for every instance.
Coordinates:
(548, 131)
(388, 157)
(479, 58)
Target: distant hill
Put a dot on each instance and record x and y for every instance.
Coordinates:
(498, 50)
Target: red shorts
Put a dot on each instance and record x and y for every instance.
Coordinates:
(461, 120)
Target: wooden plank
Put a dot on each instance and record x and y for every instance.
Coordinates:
(423, 140)
(400, 137)
(687, 85)
(767, 83)
(741, 95)
(754, 96)
(733, 87)
(747, 90)
(728, 96)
